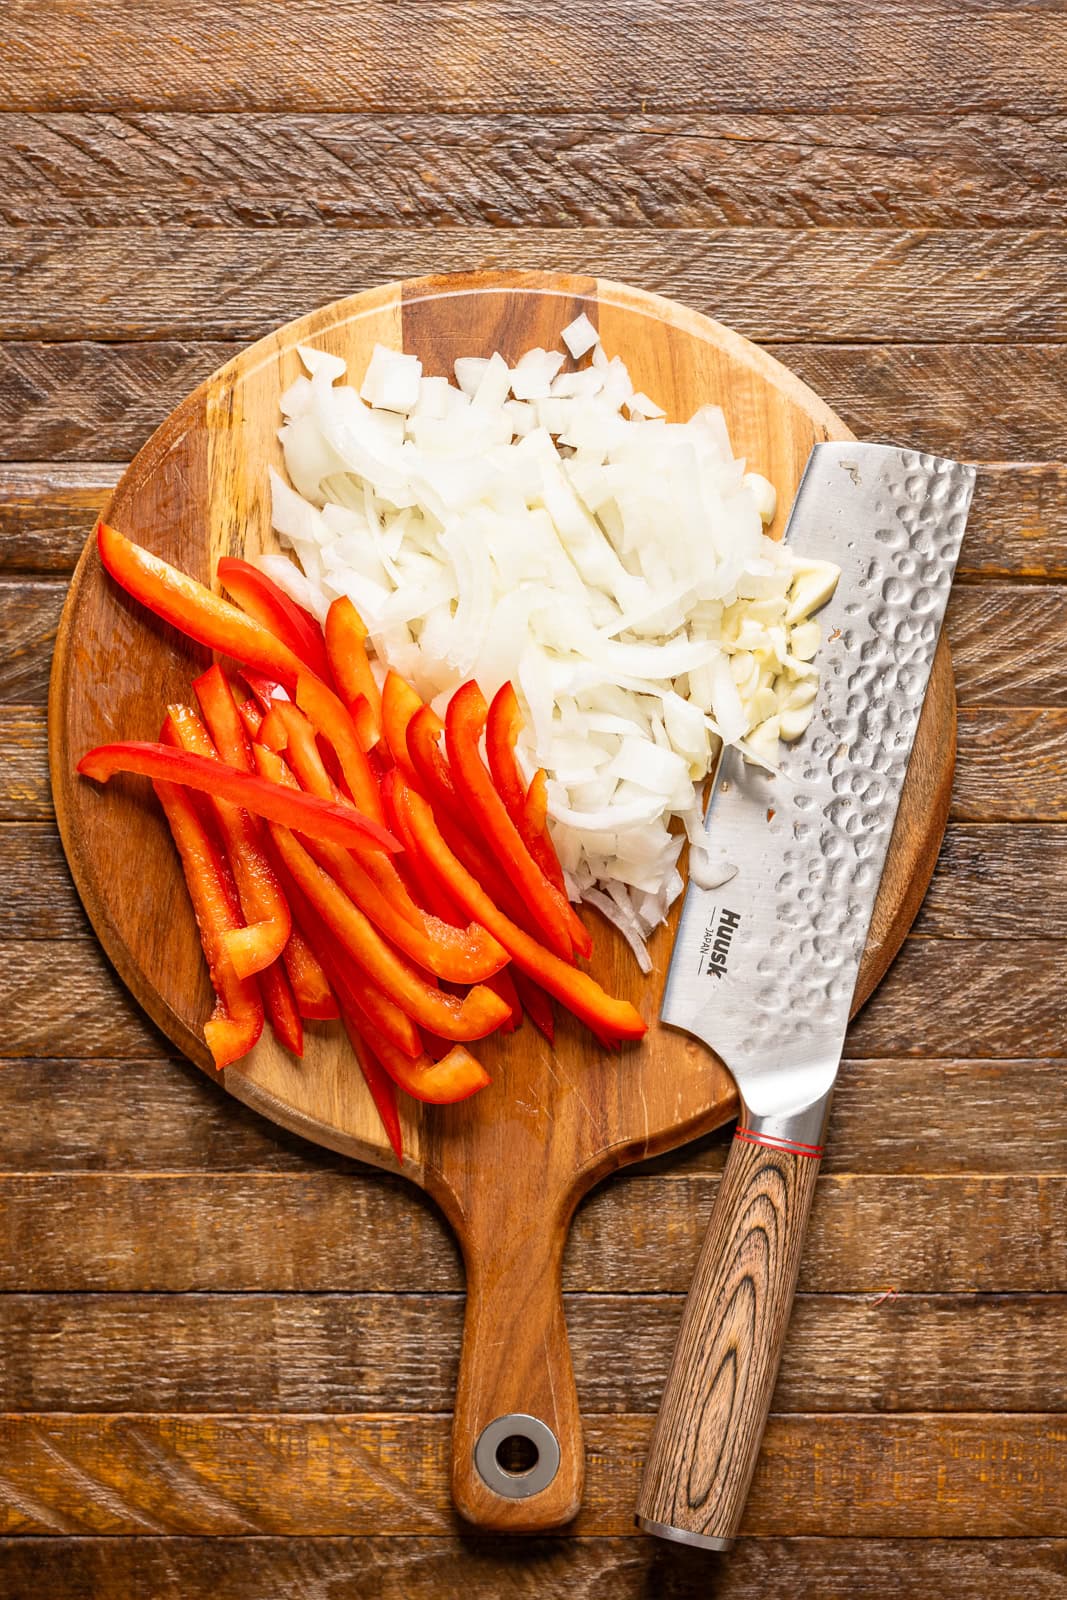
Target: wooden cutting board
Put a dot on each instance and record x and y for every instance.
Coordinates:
(508, 1167)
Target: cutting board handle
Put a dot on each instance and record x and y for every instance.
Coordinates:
(518, 1463)
(714, 1409)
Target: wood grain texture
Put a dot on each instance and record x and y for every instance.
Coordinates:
(369, 1353)
(992, 881)
(426, 1568)
(98, 401)
(568, 1116)
(1006, 1003)
(708, 1430)
(869, 286)
(1007, 642)
(185, 1475)
(899, 1115)
(567, 169)
(1012, 764)
(288, 1233)
(356, 57)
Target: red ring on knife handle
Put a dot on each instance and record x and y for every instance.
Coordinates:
(772, 1142)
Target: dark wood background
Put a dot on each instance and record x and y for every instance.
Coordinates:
(227, 1358)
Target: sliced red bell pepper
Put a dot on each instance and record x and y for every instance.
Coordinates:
(314, 997)
(580, 993)
(354, 990)
(199, 613)
(256, 946)
(237, 1020)
(330, 718)
(251, 716)
(478, 1013)
(279, 1002)
(464, 724)
(287, 728)
(536, 1003)
(503, 984)
(381, 1086)
(229, 734)
(305, 812)
(261, 597)
(535, 806)
(266, 690)
(501, 731)
(400, 702)
(435, 781)
(346, 647)
(456, 1076)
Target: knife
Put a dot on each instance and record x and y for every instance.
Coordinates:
(764, 965)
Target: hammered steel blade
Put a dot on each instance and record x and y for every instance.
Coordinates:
(764, 967)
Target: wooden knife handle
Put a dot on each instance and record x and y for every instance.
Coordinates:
(714, 1409)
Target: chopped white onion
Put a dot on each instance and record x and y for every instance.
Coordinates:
(550, 528)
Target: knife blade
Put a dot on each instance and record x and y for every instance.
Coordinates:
(765, 963)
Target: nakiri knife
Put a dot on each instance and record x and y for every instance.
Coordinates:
(764, 965)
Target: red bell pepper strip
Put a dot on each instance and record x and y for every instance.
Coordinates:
(229, 733)
(266, 690)
(435, 781)
(251, 716)
(289, 807)
(346, 647)
(456, 1076)
(330, 718)
(400, 702)
(187, 605)
(255, 947)
(314, 997)
(503, 984)
(237, 1020)
(536, 1003)
(354, 990)
(535, 807)
(580, 993)
(464, 725)
(501, 731)
(381, 1086)
(287, 728)
(279, 1002)
(478, 1013)
(261, 597)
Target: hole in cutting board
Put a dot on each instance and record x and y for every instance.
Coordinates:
(517, 1455)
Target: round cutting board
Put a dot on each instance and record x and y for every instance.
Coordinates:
(509, 1166)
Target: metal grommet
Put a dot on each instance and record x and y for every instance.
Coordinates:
(518, 1485)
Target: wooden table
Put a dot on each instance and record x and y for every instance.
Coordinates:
(227, 1358)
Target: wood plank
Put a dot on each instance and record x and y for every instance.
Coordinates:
(586, 1568)
(349, 1353)
(1017, 527)
(1009, 642)
(182, 1233)
(76, 399)
(889, 1116)
(47, 512)
(25, 791)
(992, 881)
(827, 285)
(279, 169)
(914, 1476)
(937, 396)
(367, 56)
(62, 1000)
(1011, 764)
